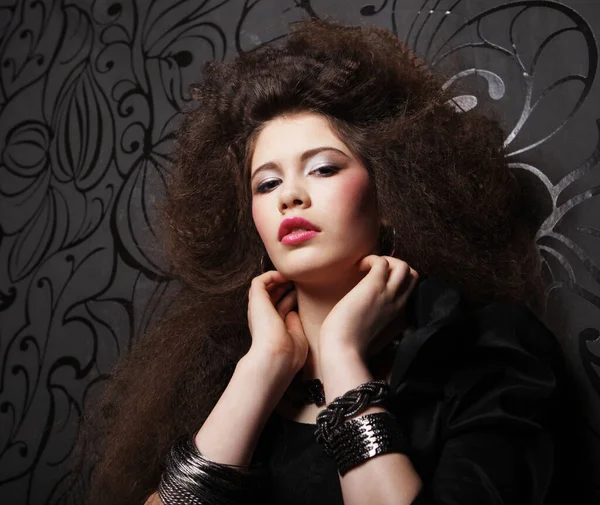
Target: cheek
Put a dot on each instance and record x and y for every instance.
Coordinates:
(259, 217)
(256, 216)
(354, 195)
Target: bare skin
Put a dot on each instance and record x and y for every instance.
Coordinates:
(345, 306)
(260, 379)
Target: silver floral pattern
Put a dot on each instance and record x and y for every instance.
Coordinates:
(90, 95)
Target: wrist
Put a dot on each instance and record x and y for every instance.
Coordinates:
(335, 352)
(342, 369)
(268, 366)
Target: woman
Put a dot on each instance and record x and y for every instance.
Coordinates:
(414, 271)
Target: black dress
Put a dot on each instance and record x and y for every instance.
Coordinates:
(480, 395)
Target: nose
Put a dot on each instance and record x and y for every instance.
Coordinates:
(293, 194)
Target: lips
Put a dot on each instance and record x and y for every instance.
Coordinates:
(295, 222)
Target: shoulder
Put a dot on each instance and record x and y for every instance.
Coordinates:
(511, 344)
(510, 376)
(480, 396)
(498, 364)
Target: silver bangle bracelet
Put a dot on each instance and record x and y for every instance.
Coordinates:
(365, 437)
(352, 441)
(191, 479)
(346, 406)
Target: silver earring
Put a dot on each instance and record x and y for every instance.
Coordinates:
(262, 263)
(393, 242)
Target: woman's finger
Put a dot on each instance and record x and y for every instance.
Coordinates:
(410, 282)
(399, 277)
(268, 280)
(287, 303)
(372, 261)
(277, 292)
(271, 278)
(375, 266)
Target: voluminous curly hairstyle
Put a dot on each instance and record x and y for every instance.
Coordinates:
(441, 177)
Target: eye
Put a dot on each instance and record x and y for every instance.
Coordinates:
(262, 188)
(329, 168)
(329, 171)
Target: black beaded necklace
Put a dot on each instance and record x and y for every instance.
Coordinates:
(305, 391)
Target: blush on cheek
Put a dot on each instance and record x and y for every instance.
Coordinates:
(256, 217)
(355, 193)
(259, 221)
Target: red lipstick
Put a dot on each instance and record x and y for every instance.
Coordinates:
(287, 236)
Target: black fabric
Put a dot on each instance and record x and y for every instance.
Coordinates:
(481, 395)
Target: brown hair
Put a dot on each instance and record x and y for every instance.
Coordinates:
(441, 177)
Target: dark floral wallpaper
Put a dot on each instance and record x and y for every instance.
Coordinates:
(90, 94)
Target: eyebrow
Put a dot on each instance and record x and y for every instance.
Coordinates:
(304, 156)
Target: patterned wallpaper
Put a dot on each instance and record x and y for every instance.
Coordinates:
(90, 94)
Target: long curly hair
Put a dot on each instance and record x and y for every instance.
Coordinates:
(441, 177)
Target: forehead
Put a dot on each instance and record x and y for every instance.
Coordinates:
(286, 137)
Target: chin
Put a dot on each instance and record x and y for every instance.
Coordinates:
(316, 273)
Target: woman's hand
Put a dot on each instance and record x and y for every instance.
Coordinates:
(276, 329)
(378, 300)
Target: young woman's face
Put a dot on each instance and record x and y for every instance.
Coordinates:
(329, 188)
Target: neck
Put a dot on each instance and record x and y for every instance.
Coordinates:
(315, 302)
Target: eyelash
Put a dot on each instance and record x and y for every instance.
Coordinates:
(333, 169)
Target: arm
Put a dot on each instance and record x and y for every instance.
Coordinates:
(231, 431)
(479, 464)
(489, 466)
(387, 478)
(154, 500)
(497, 418)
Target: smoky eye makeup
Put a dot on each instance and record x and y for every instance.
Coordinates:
(321, 168)
(328, 160)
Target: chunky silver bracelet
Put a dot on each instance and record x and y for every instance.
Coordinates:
(364, 438)
(348, 405)
(191, 479)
